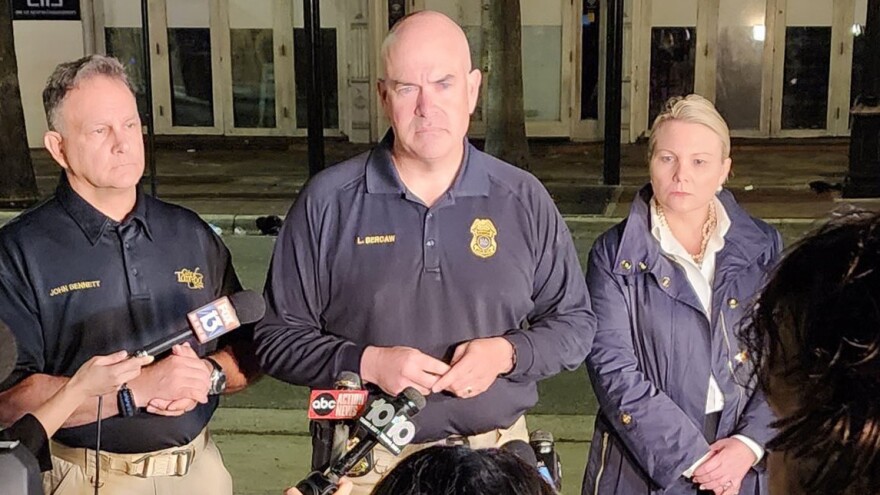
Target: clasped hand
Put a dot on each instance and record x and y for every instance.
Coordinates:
(473, 369)
(724, 471)
(174, 385)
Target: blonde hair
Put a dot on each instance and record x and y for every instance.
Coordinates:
(693, 109)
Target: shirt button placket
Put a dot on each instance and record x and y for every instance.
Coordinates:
(431, 256)
(135, 279)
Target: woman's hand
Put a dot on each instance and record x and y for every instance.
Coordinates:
(724, 471)
(105, 374)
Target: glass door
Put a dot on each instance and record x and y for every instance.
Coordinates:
(186, 66)
(120, 35)
(809, 50)
(547, 59)
(673, 53)
(257, 70)
(742, 66)
(233, 67)
(333, 69)
(468, 15)
(666, 52)
(856, 43)
(588, 95)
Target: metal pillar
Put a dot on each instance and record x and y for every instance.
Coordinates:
(148, 83)
(314, 86)
(613, 82)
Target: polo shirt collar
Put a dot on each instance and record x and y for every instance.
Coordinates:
(91, 221)
(382, 176)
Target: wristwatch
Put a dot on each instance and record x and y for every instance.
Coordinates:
(218, 379)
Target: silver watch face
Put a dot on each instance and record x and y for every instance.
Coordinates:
(218, 382)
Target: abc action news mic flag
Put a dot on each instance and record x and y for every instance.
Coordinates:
(337, 404)
(213, 320)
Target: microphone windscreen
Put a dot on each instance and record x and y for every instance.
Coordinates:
(250, 307)
(8, 351)
(348, 380)
(541, 436)
(522, 450)
(415, 397)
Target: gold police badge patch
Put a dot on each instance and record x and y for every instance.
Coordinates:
(483, 241)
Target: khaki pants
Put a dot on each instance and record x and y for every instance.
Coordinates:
(384, 460)
(191, 469)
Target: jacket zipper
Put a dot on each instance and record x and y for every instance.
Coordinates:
(602, 465)
(729, 363)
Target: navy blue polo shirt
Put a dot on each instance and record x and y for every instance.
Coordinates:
(361, 261)
(75, 284)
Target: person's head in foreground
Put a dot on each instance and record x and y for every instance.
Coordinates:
(815, 342)
(463, 471)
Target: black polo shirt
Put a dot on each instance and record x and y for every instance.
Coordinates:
(362, 261)
(75, 284)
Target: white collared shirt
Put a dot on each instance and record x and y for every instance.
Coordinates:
(701, 278)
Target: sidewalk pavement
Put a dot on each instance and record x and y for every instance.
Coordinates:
(770, 178)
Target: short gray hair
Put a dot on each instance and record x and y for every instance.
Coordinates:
(69, 75)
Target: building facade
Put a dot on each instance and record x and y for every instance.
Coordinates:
(775, 68)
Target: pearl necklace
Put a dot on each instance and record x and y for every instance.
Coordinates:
(708, 229)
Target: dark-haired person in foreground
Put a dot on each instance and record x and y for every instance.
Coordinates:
(463, 471)
(814, 338)
(99, 267)
(458, 470)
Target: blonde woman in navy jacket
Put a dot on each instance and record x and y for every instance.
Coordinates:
(669, 286)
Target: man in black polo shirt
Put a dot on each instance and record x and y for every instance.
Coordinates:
(426, 263)
(100, 267)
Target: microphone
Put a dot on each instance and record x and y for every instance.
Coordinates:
(385, 422)
(329, 410)
(213, 320)
(525, 452)
(549, 463)
(348, 380)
